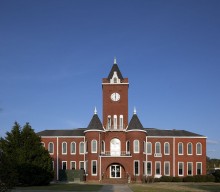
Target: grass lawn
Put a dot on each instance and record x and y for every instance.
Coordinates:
(176, 187)
(65, 187)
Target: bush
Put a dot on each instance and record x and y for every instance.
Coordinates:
(217, 176)
(177, 179)
(166, 179)
(189, 179)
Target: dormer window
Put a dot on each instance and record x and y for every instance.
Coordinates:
(115, 78)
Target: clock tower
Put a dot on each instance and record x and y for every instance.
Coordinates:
(115, 100)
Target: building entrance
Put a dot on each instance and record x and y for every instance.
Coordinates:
(115, 171)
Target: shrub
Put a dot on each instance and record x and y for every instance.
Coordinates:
(189, 179)
(217, 176)
(166, 179)
(177, 179)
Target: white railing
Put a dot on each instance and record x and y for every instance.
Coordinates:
(116, 153)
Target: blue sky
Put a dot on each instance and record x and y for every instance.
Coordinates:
(54, 54)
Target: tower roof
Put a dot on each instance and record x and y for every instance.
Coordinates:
(135, 123)
(115, 68)
(95, 123)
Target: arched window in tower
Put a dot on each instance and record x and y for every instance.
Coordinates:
(136, 146)
(115, 147)
(109, 122)
(94, 146)
(121, 122)
(115, 79)
(115, 121)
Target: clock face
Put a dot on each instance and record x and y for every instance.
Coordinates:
(115, 96)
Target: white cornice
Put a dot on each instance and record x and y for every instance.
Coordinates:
(115, 83)
(177, 137)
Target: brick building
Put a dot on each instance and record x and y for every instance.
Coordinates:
(117, 148)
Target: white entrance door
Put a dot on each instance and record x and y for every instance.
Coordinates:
(115, 171)
(115, 147)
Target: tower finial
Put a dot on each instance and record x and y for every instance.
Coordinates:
(135, 112)
(95, 111)
(115, 60)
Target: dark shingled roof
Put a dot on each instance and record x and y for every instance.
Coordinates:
(115, 68)
(172, 133)
(95, 123)
(69, 132)
(135, 123)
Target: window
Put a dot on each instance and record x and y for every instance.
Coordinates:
(72, 165)
(94, 167)
(189, 148)
(109, 122)
(81, 165)
(157, 148)
(128, 147)
(180, 148)
(198, 168)
(115, 121)
(50, 147)
(115, 147)
(121, 122)
(103, 147)
(167, 168)
(73, 148)
(189, 168)
(158, 168)
(64, 165)
(198, 149)
(64, 148)
(144, 146)
(166, 148)
(149, 168)
(180, 168)
(136, 167)
(81, 148)
(115, 79)
(94, 146)
(136, 146)
(149, 148)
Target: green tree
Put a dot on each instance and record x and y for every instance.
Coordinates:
(24, 161)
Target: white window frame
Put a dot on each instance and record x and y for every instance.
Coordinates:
(63, 164)
(180, 143)
(71, 164)
(115, 121)
(168, 145)
(71, 148)
(138, 167)
(197, 168)
(179, 168)
(52, 148)
(121, 122)
(159, 144)
(64, 143)
(81, 143)
(157, 162)
(144, 147)
(197, 153)
(188, 168)
(136, 146)
(150, 162)
(149, 143)
(189, 144)
(94, 146)
(80, 165)
(168, 163)
(93, 174)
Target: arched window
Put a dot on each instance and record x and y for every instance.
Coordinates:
(73, 148)
(157, 148)
(166, 148)
(115, 147)
(64, 148)
(81, 148)
(115, 121)
(103, 147)
(198, 149)
(149, 148)
(127, 147)
(109, 122)
(115, 79)
(121, 122)
(180, 148)
(136, 146)
(189, 149)
(94, 146)
(51, 147)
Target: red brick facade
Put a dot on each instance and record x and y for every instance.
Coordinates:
(119, 149)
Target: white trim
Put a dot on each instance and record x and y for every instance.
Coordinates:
(62, 148)
(180, 162)
(71, 167)
(138, 167)
(179, 148)
(95, 130)
(111, 170)
(166, 162)
(156, 168)
(144, 147)
(138, 145)
(52, 148)
(81, 153)
(165, 148)
(150, 148)
(176, 137)
(83, 164)
(66, 165)
(94, 174)
(135, 130)
(62, 136)
(188, 148)
(197, 148)
(150, 168)
(188, 168)
(156, 152)
(94, 151)
(197, 167)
